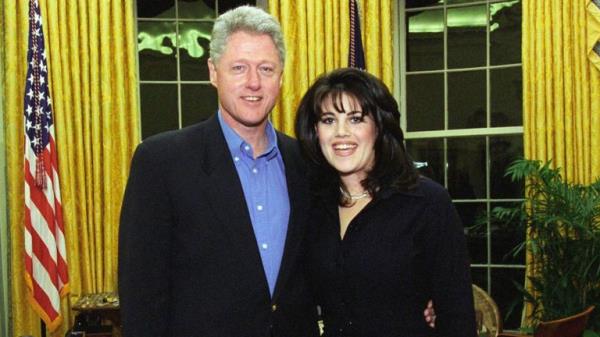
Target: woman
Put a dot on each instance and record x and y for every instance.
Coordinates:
(385, 240)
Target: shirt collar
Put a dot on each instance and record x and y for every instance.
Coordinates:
(237, 144)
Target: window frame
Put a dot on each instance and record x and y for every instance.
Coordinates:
(400, 93)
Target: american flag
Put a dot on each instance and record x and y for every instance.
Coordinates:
(45, 252)
(356, 54)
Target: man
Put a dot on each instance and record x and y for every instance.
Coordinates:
(214, 214)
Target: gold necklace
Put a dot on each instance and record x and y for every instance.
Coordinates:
(354, 197)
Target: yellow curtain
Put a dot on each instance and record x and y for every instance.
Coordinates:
(317, 39)
(92, 74)
(561, 91)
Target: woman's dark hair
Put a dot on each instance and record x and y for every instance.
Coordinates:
(392, 167)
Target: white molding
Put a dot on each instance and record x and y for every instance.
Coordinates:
(399, 22)
(498, 131)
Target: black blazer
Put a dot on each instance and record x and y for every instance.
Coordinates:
(189, 264)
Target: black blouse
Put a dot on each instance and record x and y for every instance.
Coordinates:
(401, 250)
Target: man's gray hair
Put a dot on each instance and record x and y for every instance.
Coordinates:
(248, 19)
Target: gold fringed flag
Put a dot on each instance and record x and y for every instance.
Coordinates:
(45, 251)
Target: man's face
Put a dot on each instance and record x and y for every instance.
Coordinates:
(248, 79)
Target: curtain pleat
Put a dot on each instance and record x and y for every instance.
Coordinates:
(93, 85)
(561, 92)
(317, 35)
(377, 25)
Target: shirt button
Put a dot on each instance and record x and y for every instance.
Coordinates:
(259, 207)
(236, 158)
(264, 246)
(274, 307)
(254, 170)
(246, 147)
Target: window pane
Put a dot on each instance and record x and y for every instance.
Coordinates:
(425, 44)
(480, 277)
(505, 237)
(159, 106)
(506, 294)
(471, 214)
(476, 234)
(193, 50)
(198, 102)
(466, 167)
(156, 9)
(466, 99)
(196, 9)
(467, 36)
(423, 3)
(430, 154)
(503, 151)
(224, 6)
(506, 96)
(454, 2)
(425, 102)
(505, 32)
(156, 48)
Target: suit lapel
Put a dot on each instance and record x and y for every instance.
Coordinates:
(226, 196)
(298, 196)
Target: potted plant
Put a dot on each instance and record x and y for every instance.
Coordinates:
(562, 221)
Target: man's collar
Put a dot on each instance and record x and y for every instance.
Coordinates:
(235, 142)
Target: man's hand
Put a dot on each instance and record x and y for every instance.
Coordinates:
(429, 314)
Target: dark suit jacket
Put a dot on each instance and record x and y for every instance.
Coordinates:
(189, 264)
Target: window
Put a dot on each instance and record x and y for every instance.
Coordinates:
(461, 95)
(173, 46)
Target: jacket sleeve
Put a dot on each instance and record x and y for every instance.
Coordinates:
(144, 248)
(451, 276)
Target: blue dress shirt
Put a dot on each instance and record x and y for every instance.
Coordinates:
(265, 190)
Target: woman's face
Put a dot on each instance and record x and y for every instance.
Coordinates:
(347, 138)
